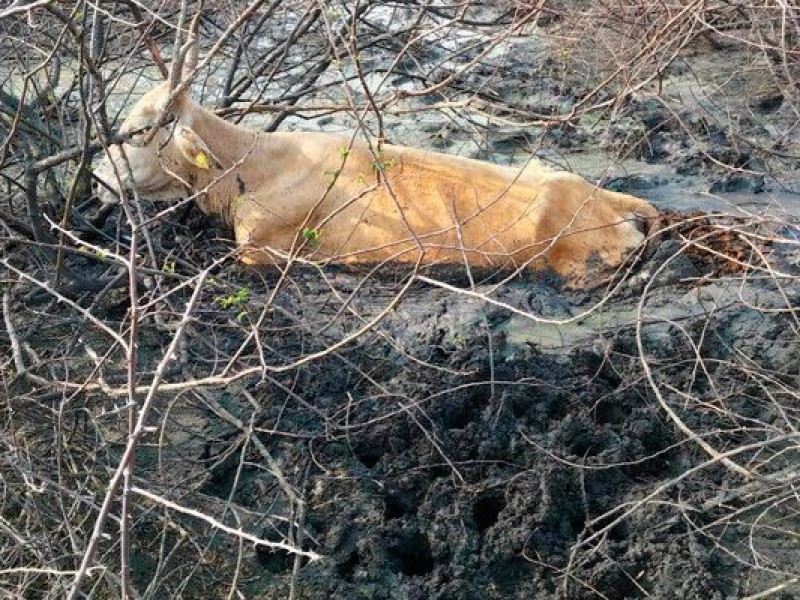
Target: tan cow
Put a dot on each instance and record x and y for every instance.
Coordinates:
(320, 196)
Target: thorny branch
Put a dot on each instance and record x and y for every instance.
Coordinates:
(129, 331)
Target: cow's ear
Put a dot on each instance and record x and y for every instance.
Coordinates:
(193, 148)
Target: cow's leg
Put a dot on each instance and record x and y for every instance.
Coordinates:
(588, 228)
(249, 230)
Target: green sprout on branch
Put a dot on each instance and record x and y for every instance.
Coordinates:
(235, 300)
(311, 236)
(381, 163)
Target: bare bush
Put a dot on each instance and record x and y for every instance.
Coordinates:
(175, 424)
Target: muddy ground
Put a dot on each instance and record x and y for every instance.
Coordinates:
(464, 449)
(512, 438)
(515, 438)
(555, 442)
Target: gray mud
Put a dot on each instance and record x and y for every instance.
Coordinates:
(465, 449)
(515, 439)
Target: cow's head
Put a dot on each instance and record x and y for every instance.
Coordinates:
(164, 152)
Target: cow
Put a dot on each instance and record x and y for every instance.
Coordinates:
(327, 197)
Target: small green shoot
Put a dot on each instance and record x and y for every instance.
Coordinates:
(331, 175)
(236, 300)
(381, 163)
(311, 236)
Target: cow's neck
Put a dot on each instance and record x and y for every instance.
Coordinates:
(227, 141)
(232, 146)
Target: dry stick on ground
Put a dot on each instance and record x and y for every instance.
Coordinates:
(296, 503)
(49, 288)
(276, 56)
(32, 171)
(626, 509)
(154, 386)
(237, 23)
(272, 465)
(654, 386)
(133, 438)
(228, 506)
(84, 87)
(303, 26)
(238, 533)
(131, 355)
(23, 6)
(16, 349)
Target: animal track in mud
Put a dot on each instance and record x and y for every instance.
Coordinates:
(346, 568)
(397, 505)
(486, 510)
(411, 554)
(368, 455)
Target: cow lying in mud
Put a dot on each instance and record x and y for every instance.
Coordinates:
(327, 197)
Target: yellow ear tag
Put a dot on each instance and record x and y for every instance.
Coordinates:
(201, 160)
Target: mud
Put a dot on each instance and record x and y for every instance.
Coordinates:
(467, 449)
(502, 436)
(519, 438)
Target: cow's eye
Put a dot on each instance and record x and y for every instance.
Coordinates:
(142, 134)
